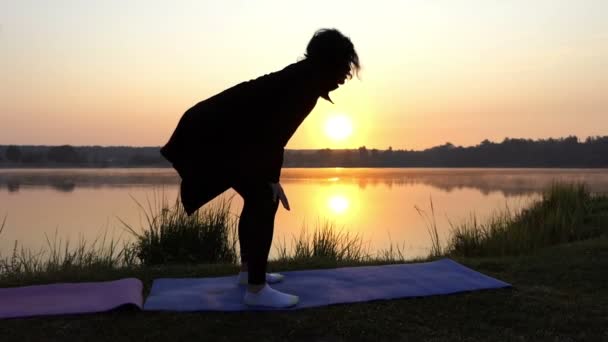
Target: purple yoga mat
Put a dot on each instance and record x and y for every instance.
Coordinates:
(69, 298)
(324, 287)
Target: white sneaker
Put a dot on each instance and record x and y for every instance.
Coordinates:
(271, 298)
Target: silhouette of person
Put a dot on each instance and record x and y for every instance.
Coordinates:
(236, 139)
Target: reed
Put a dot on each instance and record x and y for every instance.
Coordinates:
(325, 242)
(170, 236)
(59, 256)
(565, 212)
(436, 249)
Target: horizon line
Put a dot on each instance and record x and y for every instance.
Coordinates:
(328, 148)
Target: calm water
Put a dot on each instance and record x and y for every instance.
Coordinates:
(377, 204)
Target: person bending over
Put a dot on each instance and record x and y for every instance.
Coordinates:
(236, 139)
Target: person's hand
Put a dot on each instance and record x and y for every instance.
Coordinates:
(278, 193)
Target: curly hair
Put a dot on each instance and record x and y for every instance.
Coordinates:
(333, 50)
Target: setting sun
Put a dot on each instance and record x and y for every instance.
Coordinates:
(338, 127)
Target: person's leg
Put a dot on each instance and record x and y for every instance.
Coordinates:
(247, 223)
(244, 222)
(256, 227)
(248, 220)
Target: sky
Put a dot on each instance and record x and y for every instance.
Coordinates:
(115, 72)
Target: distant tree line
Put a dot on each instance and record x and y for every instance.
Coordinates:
(561, 152)
(80, 156)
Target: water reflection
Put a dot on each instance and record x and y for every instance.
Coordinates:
(12, 186)
(508, 182)
(377, 204)
(63, 185)
(338, 204)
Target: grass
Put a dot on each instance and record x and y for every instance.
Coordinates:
(559, 294)
(431, 224)
(565, 213)
(170, 237)
(60, 258)
(326, 242)
(173, 237)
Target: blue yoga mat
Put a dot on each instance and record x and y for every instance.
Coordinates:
(324, 287)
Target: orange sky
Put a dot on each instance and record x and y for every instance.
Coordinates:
(122, 73)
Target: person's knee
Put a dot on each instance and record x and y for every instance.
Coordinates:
(258, 198)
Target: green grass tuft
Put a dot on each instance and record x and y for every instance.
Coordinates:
(171, 236)
(59, 257)
(325, 242)
(565, 213)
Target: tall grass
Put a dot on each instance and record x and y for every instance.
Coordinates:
(393, 254)
(326, 242)
(59, 256)
(431, 225)
(171, 236)
(210, 236)
(564, 213)
(168, 236)
(3, 223)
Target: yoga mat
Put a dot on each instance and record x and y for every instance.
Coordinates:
(324, 287)
(69, 298)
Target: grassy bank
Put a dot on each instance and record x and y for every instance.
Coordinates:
(560, 294)
(564, 213)
(557, 267)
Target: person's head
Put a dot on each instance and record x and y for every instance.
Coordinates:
(335, 56)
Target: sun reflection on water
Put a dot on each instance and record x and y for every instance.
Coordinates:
(338, 204)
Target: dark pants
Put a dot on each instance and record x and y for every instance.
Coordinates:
(256, 226)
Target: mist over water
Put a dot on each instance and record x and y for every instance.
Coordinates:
(377, 204)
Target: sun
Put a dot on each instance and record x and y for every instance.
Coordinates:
(338, 127)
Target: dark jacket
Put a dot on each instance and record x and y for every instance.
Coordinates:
(240, 133)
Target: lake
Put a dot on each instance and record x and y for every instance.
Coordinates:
(377, 204)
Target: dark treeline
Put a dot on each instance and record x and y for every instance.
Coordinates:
(562, 152)
(80, 156)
